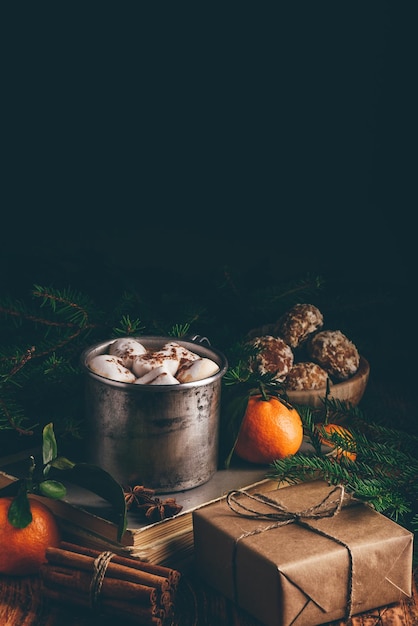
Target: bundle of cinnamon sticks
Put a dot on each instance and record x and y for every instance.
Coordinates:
(111, 584)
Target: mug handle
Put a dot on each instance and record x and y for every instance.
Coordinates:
(199, 339)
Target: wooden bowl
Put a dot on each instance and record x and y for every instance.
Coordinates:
(350, 390)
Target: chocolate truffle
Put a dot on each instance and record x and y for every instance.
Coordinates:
(298, 323)
(306, 375)
(335, 353)
(274, 356)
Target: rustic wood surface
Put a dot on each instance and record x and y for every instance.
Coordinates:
(23, 604)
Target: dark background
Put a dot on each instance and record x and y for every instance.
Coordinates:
(286, 134)
(158, 148)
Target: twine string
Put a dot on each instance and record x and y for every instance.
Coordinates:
(329, 506)
(99, 571)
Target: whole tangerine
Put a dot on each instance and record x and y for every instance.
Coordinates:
(23, 550)
(338, 451)
(270, 430)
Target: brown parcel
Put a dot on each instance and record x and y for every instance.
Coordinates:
(295, 575)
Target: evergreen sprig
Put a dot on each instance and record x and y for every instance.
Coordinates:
(72, 306)
(384, 472)
(40, 372)
(179, 330)
(128, 327)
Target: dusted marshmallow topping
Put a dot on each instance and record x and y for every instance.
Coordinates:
(298, 323)
(151, 375)
(130, 362)
(196, 370)
(176, 351)
(335, 353)
(274, 356)
(157, 376)
(164, 379)
(111, 366)
(306, 375)
(171, 356)
(126, 349)
(146, 362)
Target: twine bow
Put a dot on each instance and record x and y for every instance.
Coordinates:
(329, 506)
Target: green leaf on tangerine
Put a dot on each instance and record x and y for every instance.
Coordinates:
(19, 513)
(49, 446)
(52, 489)
(62, 463)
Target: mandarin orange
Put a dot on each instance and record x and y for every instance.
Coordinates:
(325, 435)
(23, 550)
(270, 430)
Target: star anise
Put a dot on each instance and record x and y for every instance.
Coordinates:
(162, 509)
(143, 500)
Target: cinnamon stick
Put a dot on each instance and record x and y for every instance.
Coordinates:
(159, 570)
(143, 615)
(166, 602)
(79, 580)
(59, 556)
(129, 587)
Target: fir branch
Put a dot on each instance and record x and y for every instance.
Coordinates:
(57, 367)
(381, 453)
(30, 372)
(386, 481)
(20, 311)
(17, 362)
(310, 427)
(381, 492)
(129, 327)
(383, 474)
(293, 469)
(179, 330)
(67, 302)
(385, 434)
(12, 415)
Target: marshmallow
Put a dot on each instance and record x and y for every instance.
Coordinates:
(173, 349)
(126, 349)
(144, 363)
(196, 370)
(164, 379)
(147, 378)
(112, 367)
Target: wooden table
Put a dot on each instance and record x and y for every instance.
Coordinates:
(23, 604)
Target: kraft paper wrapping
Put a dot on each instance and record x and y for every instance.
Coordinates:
(307, 571)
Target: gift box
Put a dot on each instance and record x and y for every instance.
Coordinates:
(302, 555)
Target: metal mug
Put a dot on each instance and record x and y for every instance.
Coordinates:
(165, 437)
